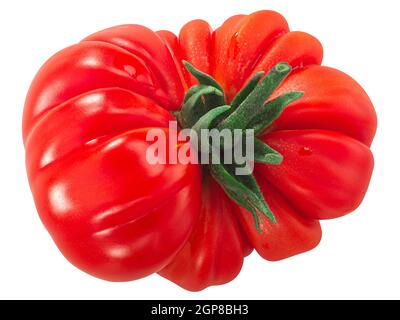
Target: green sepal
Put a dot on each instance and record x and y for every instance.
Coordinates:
(208, 121)
(202, 77)
(247, 89)
(272, 110)
(243, 189)
(265, 154)
(194, 107)
(192, 91)
(260, 202)
(239, 119)
(245, 204)
(211, 101)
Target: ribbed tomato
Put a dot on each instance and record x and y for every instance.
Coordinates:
(119, 218)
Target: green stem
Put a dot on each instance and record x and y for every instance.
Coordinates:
(205, 108)
(256, 99)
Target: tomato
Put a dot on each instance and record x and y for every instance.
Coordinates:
(118, 217)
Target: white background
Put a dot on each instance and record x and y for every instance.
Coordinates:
(359, 256)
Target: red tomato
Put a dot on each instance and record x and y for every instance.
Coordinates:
(119, 218)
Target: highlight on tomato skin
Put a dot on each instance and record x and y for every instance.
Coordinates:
(117, 217)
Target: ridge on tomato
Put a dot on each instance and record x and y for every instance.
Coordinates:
(118, 217)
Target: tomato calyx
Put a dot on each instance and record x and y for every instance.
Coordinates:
(205, 107)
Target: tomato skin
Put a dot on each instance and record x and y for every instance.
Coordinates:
(151, 49)
(324, 174)
(305, 50)
(332, 101)
(117, 217)
(91, 66)
(214, 253)
(97, 114)
(195, 40)
(239, 44)
(172, 42)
